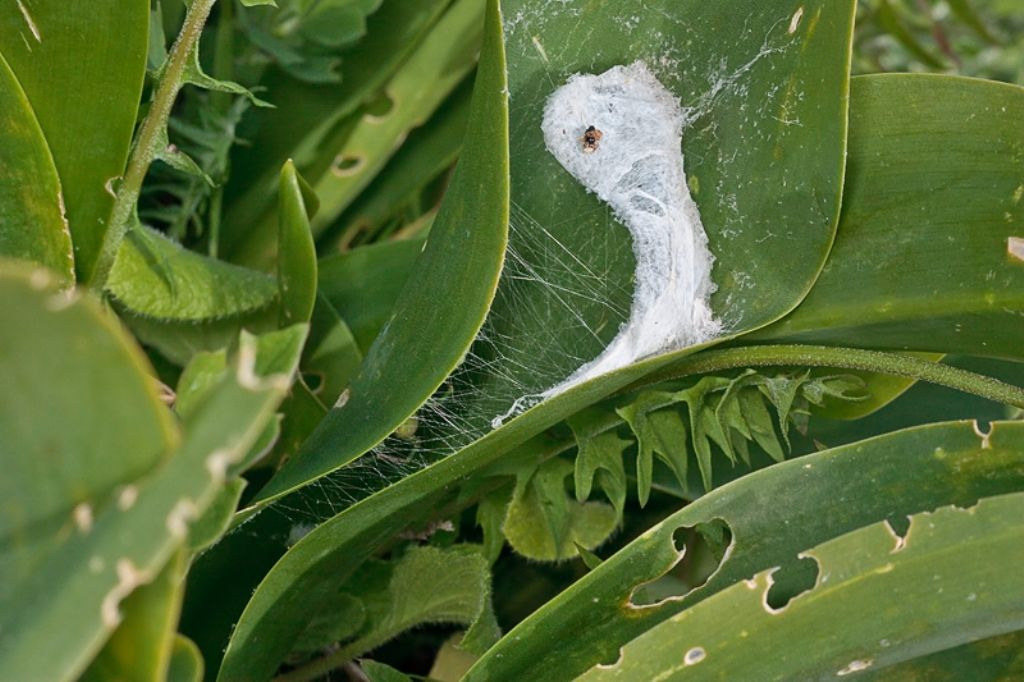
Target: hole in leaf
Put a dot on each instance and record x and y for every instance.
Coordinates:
(314, 381)
(791, 580)
(347, 165)
(702, 550)
(380, 107)
(899, 525)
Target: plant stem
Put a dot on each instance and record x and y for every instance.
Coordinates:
(150, 138)
(892, 364)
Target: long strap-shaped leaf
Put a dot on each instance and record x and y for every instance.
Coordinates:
(929, 254)
(879, 599)
(81, 65)
(444, 302)
(772, 515)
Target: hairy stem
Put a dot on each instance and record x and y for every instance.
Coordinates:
(892, 364)
(150, 138)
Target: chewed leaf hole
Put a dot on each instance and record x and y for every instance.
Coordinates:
(790, 581)
(702, 548)
(347, 165)
(380, 107)
(314, 381)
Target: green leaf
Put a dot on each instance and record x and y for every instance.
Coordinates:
(201, 375)
(601, 454)
(62, 355)
(662, 432)
(186, 662)
(215, 521)
(82, 66)
(379, 672)
(338, 23)
(75, 594)
(426, 585)
(897, 597)
(194, 75)
(155, 277)
(544, 524)
(258, 3)
(772, 515)
(141, 647)
(418, 88)
(178, 341)
(331, 354)
(32, 223)
(431, 585)
(934, 200)
(309, 573)
(430, 151)
(490, 516)
(296, 258)
(570, 278)
(986, 659)
(443, 303)
(364, 284)
(303, 126)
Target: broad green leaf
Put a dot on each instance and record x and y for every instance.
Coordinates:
(897, 596)
(932, 218)
(994, 658)
(364, 284)
(296, 257)
(61, 355)
(155, 277)
(82, 66)
(32, 223)
(538, 327)
(444, 301)
(763, 148)
(74, 596)
(304, 123)
(141, 648)
(772, 515)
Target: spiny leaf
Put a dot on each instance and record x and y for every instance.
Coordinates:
(600, 455)
(654, 434)
(728, 413)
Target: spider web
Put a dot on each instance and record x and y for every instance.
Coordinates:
(565, 290)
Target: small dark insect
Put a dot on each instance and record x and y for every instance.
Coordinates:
(591, 136)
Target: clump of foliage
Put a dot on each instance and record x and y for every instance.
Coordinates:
(270, 270)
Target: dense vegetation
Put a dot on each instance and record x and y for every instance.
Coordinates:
(284, 288)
